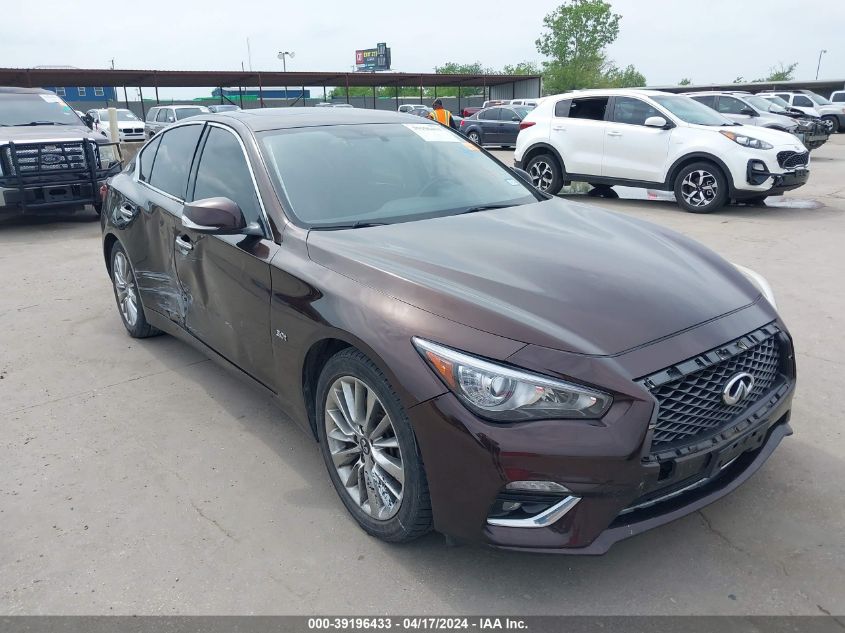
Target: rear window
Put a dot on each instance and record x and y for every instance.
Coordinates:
(592, 108)
(708, 100)
(562, 108)
(184, 113)
(173, 159)
(839, 97)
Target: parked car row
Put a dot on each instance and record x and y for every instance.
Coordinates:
(658, 140)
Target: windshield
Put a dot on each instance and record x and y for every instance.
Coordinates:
(691, 111)
(777, 101)
(762, 104)
(122, 115)
(817, 99)
(184, 113)
(35, 109)
(336, 176)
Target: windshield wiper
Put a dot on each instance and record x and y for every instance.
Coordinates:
(485, 207)
(40, 123)
(360, 224)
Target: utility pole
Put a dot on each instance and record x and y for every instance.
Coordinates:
(249, 54)
(821, 52)
(112, 63)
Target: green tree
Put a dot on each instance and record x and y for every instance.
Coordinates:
(686, 81)
(522, 68)
(739, 80)
(781, 72)
(575, 38)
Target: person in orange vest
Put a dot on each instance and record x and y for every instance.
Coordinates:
(442, 115)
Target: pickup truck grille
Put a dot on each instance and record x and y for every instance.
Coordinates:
(791, 160)
(41, 158)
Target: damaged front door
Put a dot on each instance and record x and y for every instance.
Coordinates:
(226, 278)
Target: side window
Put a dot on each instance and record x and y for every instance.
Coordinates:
(783, 95)
(509, 115)
(81, 91)
(839, 97)
(173, 159)
(490, 115)
(161, 117)
(223, 171)
(562, 108)
(802, 101)
(730, 105)
(588, 108)
(708, 100)
(632, 111)
(148, 155)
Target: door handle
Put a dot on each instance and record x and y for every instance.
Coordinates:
(614, 133)
(127, 211)
(184, 244)
(559, 128)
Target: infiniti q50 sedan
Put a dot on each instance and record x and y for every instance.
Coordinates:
(473, 356)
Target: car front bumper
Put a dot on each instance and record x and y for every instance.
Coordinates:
(619, 490)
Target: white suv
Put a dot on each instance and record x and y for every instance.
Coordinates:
(656, 140)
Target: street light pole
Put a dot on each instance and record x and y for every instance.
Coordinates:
(821, 52)
(283, 55)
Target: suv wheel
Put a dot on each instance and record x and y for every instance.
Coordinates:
(701, 188)
(546, 173)
(835, 121)
(370, 450)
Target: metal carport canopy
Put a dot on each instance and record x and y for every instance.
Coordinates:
(36, 77)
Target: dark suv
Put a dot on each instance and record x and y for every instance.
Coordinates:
(48, 156)
(471, 355)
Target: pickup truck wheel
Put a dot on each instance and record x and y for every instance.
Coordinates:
(546, 173)
(701, 188)
(126, 294)
(835, 121)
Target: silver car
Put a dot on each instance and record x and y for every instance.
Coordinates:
(159, 117)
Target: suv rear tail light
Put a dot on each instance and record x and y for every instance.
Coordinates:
(462, 123)
(526, 124)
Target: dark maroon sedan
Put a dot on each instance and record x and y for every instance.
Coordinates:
(473, 356)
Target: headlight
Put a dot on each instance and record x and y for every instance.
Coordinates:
(759, 282)
(746, 141)
(109, 155)
(506, 394)
(805, 125)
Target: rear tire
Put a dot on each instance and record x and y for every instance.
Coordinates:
(835, 120)
(546, 173)
(126, 294)
(475, 137)
(370, 450)
(701, 188)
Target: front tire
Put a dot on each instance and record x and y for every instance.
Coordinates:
(835, 121)
(370, 450)
(126, 294)
(546, 173)
(701, 188)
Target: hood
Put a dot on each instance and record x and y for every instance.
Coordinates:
(555, 273)
(779, 119)
(42, 133)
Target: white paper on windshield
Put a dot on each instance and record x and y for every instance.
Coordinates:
(432, 133)
(50, 98)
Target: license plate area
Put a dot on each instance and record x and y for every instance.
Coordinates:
(748, 442)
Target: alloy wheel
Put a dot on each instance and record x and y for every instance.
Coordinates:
(364, 447)
(124, 285)
(699, 188)
(541, 174)
(475, 138)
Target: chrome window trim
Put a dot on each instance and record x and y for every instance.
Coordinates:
(265, 218)
(135, 177)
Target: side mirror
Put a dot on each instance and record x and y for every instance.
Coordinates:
(219, 216)
(749, 112)
(656, 121)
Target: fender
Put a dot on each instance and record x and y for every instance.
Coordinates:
(669, 183)
(544, 146)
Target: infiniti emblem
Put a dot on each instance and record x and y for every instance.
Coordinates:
(738, 388)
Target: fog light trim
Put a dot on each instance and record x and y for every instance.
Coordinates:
(538, 486)
(545, 518)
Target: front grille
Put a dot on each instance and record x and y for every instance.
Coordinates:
(790, 159)
(46, 157)
(691, 407)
